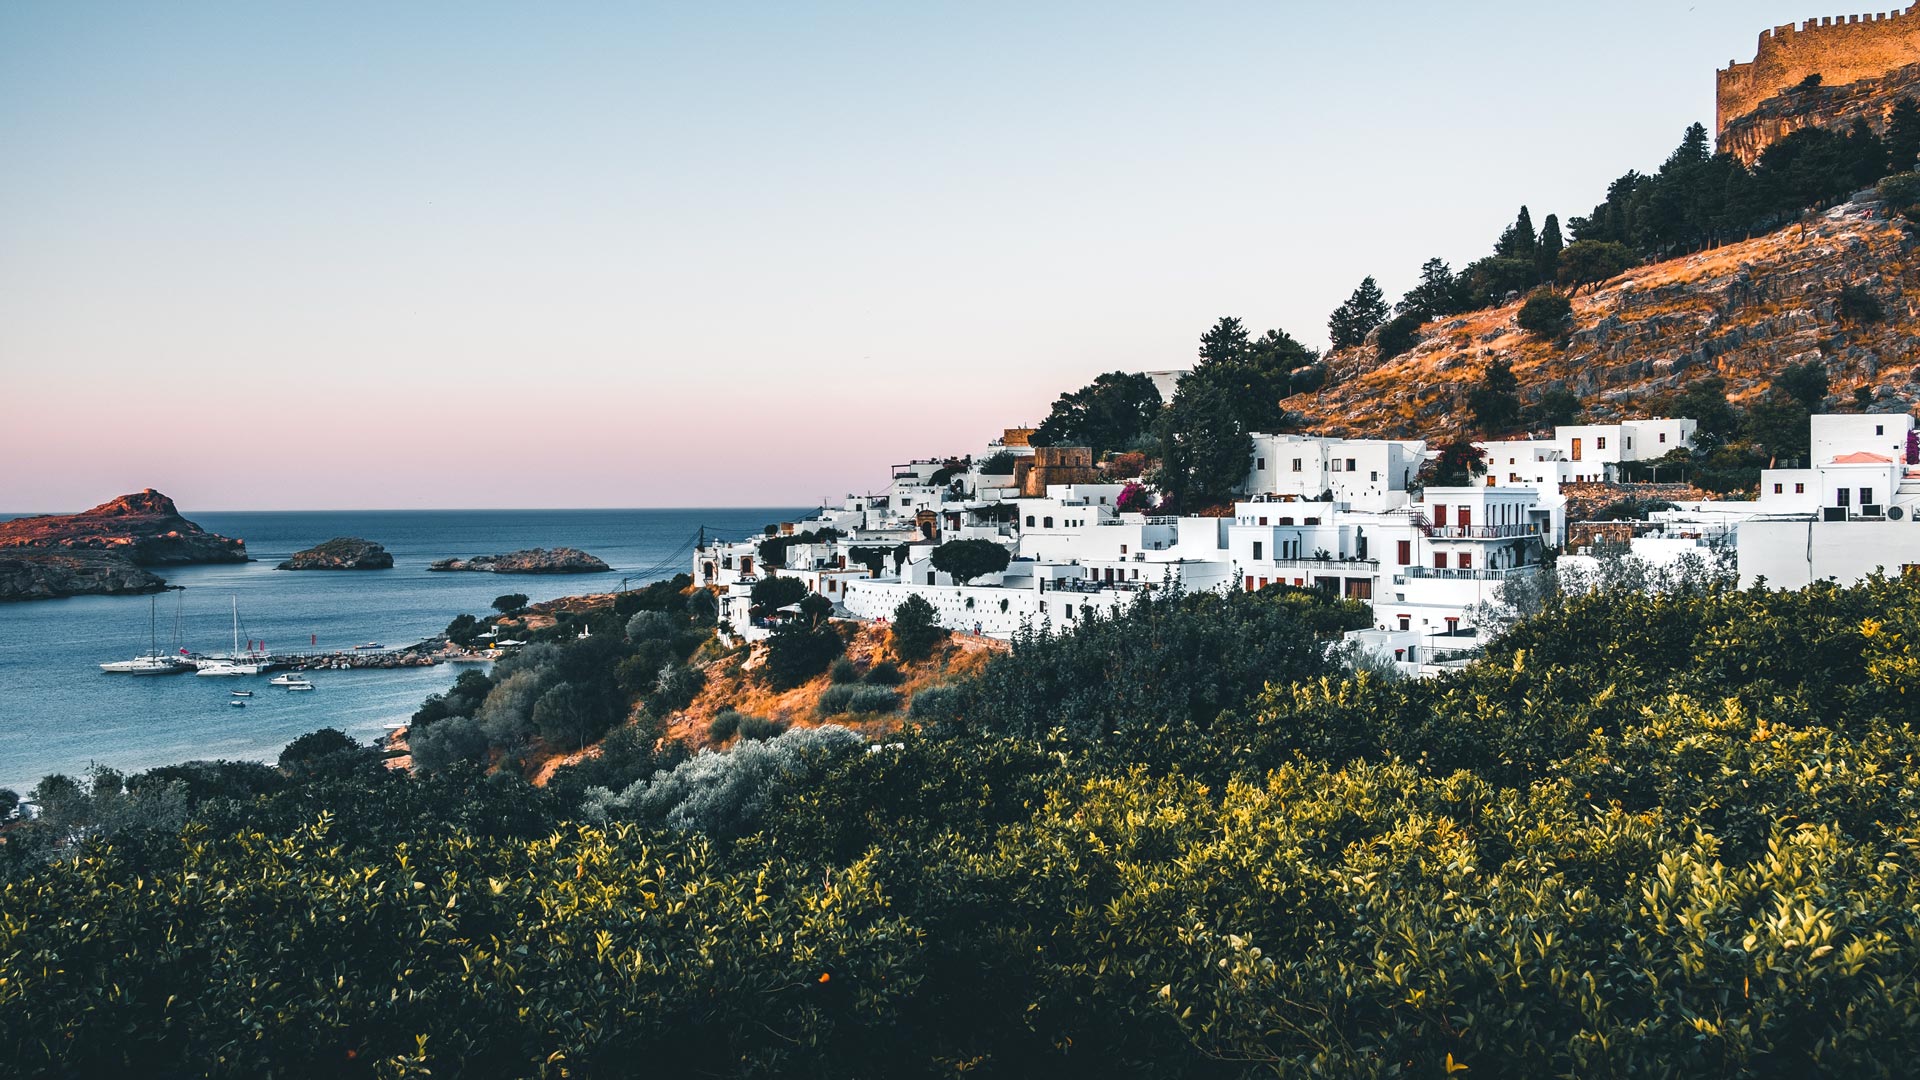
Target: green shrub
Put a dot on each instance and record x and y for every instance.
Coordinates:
(874, 699)
(842, 671)
(836, 699)
(885, 673)
(725, 725)
(759, 727)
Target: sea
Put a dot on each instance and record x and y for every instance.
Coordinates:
(60, 713)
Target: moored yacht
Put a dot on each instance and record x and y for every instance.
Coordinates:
(153, 662)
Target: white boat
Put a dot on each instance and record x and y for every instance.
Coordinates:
(241, 693)
(299, 686)
(236, 703)
(368, 645)
(235, 662)
(288, 679)
(153, 662)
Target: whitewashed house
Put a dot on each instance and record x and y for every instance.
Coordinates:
(1850, 513)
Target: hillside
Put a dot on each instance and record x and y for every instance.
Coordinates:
(1743, 311)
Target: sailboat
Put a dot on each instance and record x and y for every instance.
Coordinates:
(235, 662)
(153, 662)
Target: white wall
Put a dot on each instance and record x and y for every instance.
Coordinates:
(1794, 553)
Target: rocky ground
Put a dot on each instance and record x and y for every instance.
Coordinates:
(560, 560)
(340, 553)
(1743, 311)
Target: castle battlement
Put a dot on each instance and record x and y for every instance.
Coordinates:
(1840, 49)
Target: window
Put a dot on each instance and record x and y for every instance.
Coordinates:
(1600, 443)
(1879, 429)
(1663, 436)
(1374, 476)
(1866, 496)
(1296, 464)
(1466, 517)
(1406, 622)
(1260, 464)
(1440, 514)
(1263, 521)
(1466, 560)
(1353, 465)
(1406, 555)
(1778, 488)
(1046, 523)
(1334, 466)
(1799, 489)
(1249, 582)
(1123, 549)
(1629, 442)
(1257, 549)
(1439, 560)
(1842, 495)
(1029, 521)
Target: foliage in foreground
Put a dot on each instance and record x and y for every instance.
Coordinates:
(1669, 835)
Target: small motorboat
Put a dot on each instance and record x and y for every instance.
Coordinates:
(301, 685)
(236, 703)
(368, 645)
(241, 693)
(288, 679)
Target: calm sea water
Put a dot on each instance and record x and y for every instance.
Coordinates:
(59, 712)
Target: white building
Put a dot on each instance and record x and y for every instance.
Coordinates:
(1360, 474)
(1851, 513)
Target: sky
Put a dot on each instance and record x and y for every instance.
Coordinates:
(368, 255)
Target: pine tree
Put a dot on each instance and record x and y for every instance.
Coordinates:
(1903, 136)
(1226, 342)
(1352, 321)
(1437, 295)
(1496, 401)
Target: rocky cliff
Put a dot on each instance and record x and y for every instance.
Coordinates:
(1743, 312)
(561, 560)
(340, 553)
(1835, 107)
(102, 550)
(146, 529)
(49, 575)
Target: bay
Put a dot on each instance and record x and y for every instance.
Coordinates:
(60, 713)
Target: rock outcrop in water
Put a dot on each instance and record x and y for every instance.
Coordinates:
(340, 553)
(49, 575)
(103, 549)
(560, 560)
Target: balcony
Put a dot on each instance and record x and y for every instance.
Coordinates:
(1456, 574)
(1367, 565)
(1481, 532)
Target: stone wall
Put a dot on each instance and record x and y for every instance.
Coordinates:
(1054, 465)
(1840, 49)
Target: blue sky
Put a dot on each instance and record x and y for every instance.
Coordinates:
(584, 254)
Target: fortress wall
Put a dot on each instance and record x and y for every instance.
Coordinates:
(1840, 49)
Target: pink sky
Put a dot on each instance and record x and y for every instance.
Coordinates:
(437, 255)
